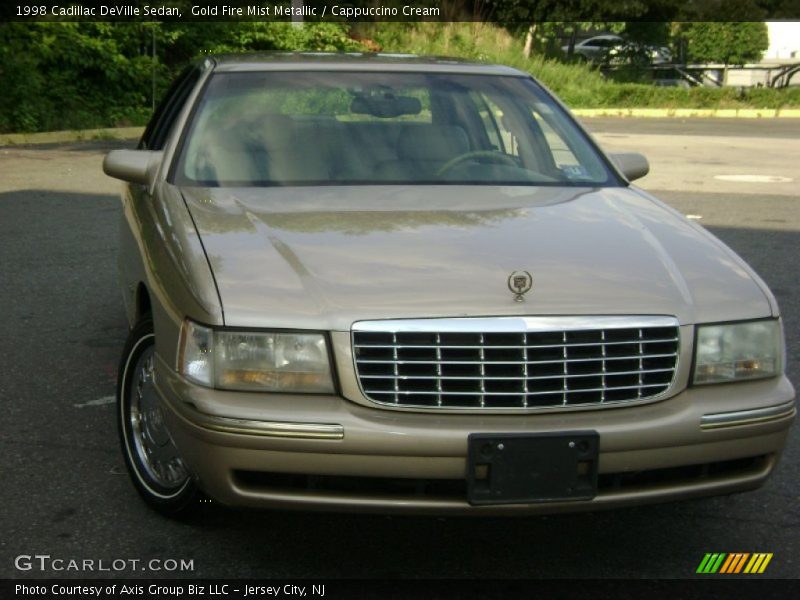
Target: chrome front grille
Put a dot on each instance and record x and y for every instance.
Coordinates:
(515, 362)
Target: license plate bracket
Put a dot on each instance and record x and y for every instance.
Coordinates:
(521, 468)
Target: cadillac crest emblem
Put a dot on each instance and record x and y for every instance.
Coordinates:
(520, 283)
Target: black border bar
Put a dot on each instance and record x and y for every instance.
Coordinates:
(500, 11)
(705, 587)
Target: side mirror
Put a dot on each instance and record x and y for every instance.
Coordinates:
(134, 166)
(632, 164)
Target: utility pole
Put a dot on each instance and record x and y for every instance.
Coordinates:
(153, 91)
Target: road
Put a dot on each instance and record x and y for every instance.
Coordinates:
(63, 491)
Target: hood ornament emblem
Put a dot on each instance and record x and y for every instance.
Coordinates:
(520, 283)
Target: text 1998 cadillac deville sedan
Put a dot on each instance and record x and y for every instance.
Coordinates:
(399, 284)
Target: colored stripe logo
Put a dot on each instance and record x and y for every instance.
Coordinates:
(734, 563)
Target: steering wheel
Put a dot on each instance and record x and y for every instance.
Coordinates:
(492, 155)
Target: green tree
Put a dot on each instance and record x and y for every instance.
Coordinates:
(65, 75)
(725, 42)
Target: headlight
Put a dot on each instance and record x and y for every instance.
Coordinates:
(738, 351)
(255, 361)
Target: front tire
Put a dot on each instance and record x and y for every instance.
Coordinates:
(153, 462)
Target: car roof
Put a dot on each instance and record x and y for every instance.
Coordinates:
(355, 61)
(605, 36)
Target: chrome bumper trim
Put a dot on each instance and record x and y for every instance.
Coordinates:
(278, 429)
(748, 417)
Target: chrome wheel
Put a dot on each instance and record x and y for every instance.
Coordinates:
(160, 476)
(152, 443)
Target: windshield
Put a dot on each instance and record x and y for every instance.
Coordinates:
(366, 128)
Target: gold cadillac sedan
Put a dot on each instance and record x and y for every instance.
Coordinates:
(388, 283)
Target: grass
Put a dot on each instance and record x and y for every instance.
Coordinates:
(578, 85)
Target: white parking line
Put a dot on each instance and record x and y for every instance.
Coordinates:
(754, 178)
(98, 402)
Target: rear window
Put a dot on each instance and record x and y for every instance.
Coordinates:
(343, 128)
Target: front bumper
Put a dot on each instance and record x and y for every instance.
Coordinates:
(324, 452)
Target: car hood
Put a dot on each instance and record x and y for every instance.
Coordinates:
(324, 257)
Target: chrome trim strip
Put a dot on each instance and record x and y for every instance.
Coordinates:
(512, 362)
(513, 394)
(528, 346)
(278, 429)
(748, 417)
(529, 378)
(514, 324)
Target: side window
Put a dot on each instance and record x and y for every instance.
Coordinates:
(160, 124)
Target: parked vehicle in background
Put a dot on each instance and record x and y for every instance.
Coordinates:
(635, 53)
(614, 49)
(595, 49)
(391, 283)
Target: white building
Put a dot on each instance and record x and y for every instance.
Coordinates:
(784, 41)
(784, 49)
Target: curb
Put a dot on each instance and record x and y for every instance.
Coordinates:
(716, 113)
(84, 135)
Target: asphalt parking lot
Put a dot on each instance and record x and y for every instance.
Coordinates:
(63, 490)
